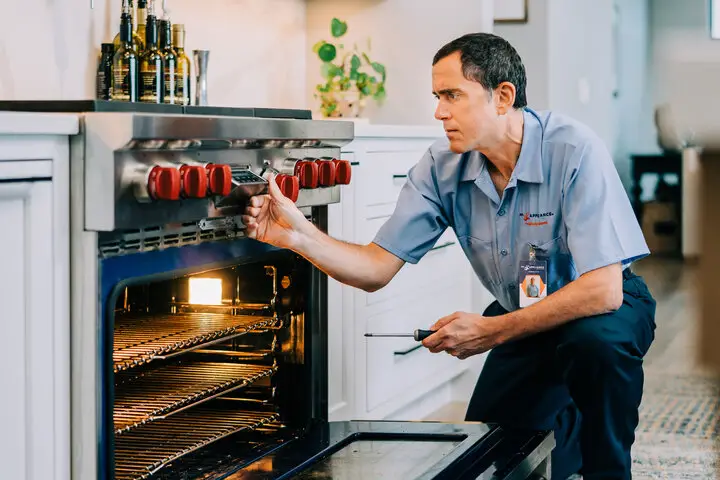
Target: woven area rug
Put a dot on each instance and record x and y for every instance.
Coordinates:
(677, 437)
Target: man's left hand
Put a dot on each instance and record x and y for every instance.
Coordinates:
(464, 334)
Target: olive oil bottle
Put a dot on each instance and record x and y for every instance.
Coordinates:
(182, 82)
(169, 62)
(124, 86)
(137, 41)
(151, 62)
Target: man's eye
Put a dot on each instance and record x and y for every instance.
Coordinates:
(452, 96)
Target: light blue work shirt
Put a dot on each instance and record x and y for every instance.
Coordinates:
(564, 198)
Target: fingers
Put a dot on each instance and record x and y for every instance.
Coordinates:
(273, 189)
(257, 201)
(444, 321)
(253, 211)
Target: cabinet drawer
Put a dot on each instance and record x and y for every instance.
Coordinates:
(444, 264)
(398, 365)
(385, 173)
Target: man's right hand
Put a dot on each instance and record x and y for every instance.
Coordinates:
(273, 218)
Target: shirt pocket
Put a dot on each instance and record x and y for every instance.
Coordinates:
(560, 267)
(480, 253)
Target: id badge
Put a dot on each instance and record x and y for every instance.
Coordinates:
(532, 281)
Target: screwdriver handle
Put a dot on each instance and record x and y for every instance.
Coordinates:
(421, 335)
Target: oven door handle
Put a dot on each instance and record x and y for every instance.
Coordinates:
(409, 350)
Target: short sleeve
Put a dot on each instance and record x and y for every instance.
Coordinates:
(601, 225)
(418, 219)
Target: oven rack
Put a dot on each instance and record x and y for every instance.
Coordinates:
(145, 450)
(171, 389)
(139, 339)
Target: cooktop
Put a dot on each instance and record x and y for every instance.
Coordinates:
(58, 106)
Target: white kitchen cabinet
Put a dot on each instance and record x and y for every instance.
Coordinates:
(34, 310)
(386, 378)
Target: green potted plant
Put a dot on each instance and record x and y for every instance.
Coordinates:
(350, 77)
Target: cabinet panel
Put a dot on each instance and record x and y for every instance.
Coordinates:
(398, 365)
(384, 174)
(26, 359)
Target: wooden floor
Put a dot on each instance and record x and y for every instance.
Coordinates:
(671, 281)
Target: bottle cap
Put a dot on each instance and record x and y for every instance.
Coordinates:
(142, 4)
(108, 48)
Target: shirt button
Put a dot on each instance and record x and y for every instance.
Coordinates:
(503, 252)
(501, 212)
(511, 286)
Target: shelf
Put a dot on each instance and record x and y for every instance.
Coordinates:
(139, 339)
(171, 389)
(145, 450)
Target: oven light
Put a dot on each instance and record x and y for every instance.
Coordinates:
(205, 291)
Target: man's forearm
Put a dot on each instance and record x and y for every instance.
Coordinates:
(595, 293)
(367, 267)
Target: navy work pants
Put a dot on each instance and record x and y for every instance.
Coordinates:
(584, 380)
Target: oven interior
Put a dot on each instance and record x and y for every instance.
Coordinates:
(209, 367)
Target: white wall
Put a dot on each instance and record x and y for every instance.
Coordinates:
(405, 36)
(48, 48)
(574, 66)
(532, 43)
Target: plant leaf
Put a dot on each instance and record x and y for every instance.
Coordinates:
(338, 28)
(327, 52)
(355, 62)
(378, 67)
(317, 46)
(367, 59)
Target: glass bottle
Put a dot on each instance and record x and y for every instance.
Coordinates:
(103, 76)
(151, 62)
(124, 85)
(182, 83)
(169, 62)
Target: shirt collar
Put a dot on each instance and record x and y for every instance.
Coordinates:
(529, 167)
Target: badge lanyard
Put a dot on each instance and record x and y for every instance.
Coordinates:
(532, 278)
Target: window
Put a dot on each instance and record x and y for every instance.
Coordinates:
(715, 19)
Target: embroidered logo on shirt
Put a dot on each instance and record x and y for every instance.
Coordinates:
(536, 219)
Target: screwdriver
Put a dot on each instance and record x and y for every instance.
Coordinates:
(418, 335)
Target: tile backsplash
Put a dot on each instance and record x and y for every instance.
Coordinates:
(49, 48)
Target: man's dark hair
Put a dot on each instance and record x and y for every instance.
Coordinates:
(488, 60)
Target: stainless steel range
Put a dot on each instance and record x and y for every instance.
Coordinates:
(199, 353)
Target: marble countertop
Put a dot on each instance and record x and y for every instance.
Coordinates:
(29, 123)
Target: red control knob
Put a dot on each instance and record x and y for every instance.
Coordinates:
(326, 172)
(343, 172)
(194, 181)
(164, 183)
(308, 173)
(289, 186)
(219, 179)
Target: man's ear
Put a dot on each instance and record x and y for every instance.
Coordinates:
(504, 96)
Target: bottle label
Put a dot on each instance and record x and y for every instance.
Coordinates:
(182, 89)
(101, 86)
(150, 86)
(121, 83)
(171, 79)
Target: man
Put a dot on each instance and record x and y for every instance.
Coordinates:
(520, 189)
(532, 290)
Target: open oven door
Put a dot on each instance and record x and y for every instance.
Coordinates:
(406, 451)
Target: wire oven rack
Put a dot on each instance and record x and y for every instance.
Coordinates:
(145, 450)
(142, 339)
(171, 389)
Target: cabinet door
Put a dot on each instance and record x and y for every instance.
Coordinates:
(26, 306)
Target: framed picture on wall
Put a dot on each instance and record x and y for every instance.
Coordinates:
(511, 11)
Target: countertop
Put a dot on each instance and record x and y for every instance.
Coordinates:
(369, 130)
(29, 123)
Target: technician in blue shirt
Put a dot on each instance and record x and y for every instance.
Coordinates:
(515, 184)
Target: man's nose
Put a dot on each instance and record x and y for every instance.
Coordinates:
(441, 112)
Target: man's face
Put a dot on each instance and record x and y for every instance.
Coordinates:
(467, 110)
(532, 281)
